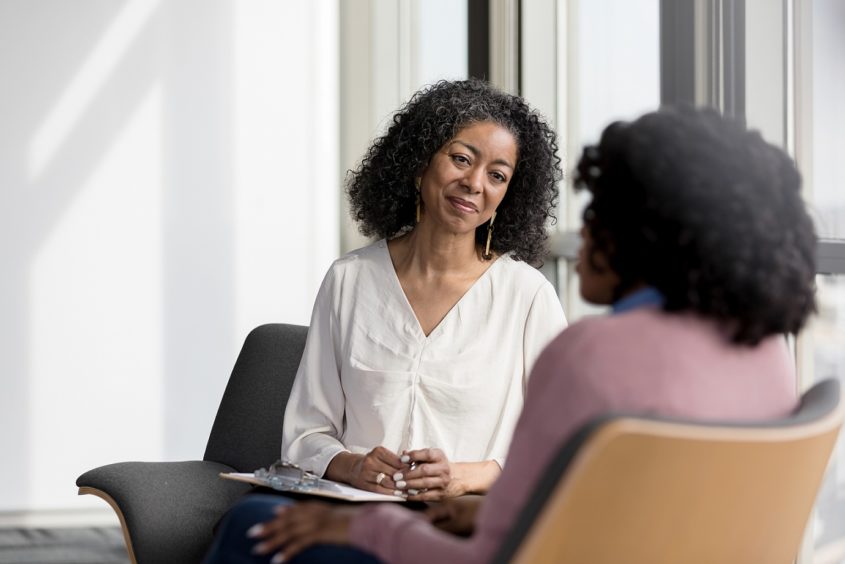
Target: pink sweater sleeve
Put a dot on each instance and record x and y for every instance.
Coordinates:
(395, 534)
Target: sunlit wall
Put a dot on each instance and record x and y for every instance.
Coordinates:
(169, 180)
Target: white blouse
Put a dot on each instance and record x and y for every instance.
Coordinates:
(369, 376)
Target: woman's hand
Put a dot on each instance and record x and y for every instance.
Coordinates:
(431, 477)
(456, 516)
(373, 471)
(296, 527)
(434, 478)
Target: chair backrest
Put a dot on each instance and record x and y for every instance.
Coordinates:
(636, 489)
(247, 431)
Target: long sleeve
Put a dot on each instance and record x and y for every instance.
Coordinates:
(544, 322)
(315, 411)
(396, 534)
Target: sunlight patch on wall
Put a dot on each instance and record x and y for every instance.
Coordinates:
(97, 280)
(93, 74)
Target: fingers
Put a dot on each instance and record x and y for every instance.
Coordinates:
(375, 471)
(376, 479)
(378, 462)
(429, 495)
(428, 470)
(422, 474)
(430, 475)
(424, 484)
(386, 457)
(290, 522)
(426, 455)
(426, 463)
(295, 528)
(386, 487)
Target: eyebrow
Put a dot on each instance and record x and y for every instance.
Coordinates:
(475, 151)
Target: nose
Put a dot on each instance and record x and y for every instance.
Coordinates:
(474, 180)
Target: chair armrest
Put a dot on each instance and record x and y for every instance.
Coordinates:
(167, 509)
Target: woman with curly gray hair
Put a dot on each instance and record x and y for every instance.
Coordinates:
(420, 344)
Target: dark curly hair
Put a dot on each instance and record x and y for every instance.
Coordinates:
(708, 213)
(382, 193)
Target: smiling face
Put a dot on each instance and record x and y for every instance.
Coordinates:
(467, 177)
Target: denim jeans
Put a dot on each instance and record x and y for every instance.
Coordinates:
(231, 546)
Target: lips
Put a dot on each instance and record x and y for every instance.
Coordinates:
(463, 205)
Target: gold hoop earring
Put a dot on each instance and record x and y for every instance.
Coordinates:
(418, 182)
(487, 255)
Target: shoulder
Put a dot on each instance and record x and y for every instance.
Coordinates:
(642, 337)
(588, 350)
(370, 253)
(600, 339)
(524, 278)
(354, 262)
(355, 272)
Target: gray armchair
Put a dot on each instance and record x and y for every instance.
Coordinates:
(168, 509)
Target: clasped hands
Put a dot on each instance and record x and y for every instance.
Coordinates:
(416, 475)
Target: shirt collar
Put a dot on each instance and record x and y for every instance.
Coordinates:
(648, 296)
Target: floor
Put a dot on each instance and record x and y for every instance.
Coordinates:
(90, 545)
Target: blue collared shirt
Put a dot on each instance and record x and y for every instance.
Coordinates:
(648, 296)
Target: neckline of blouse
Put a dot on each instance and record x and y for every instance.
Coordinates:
(397, 285)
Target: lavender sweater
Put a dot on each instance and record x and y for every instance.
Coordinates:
(645, 361)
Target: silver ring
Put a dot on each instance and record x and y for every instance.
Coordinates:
(381, 476)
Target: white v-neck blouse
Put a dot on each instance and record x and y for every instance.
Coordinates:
(369, 376)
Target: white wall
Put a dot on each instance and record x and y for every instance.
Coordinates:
(169, 180)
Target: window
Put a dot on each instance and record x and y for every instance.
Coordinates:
(825, 339)
(819, 39)
(585, 64)
(775, 64)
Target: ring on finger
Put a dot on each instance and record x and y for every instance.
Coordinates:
(381, 476)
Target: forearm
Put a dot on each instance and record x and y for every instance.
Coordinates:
(340, 469)
(311, 450)
(475, 477)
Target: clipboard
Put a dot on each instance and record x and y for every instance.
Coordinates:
(288, 477)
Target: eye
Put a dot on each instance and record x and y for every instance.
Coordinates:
(498, 176)
(460, 159)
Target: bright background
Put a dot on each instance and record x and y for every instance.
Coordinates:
(169, 180)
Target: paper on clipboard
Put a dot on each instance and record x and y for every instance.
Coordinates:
(320, 487)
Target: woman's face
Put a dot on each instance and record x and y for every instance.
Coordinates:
(467, 177)
(597, 285)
